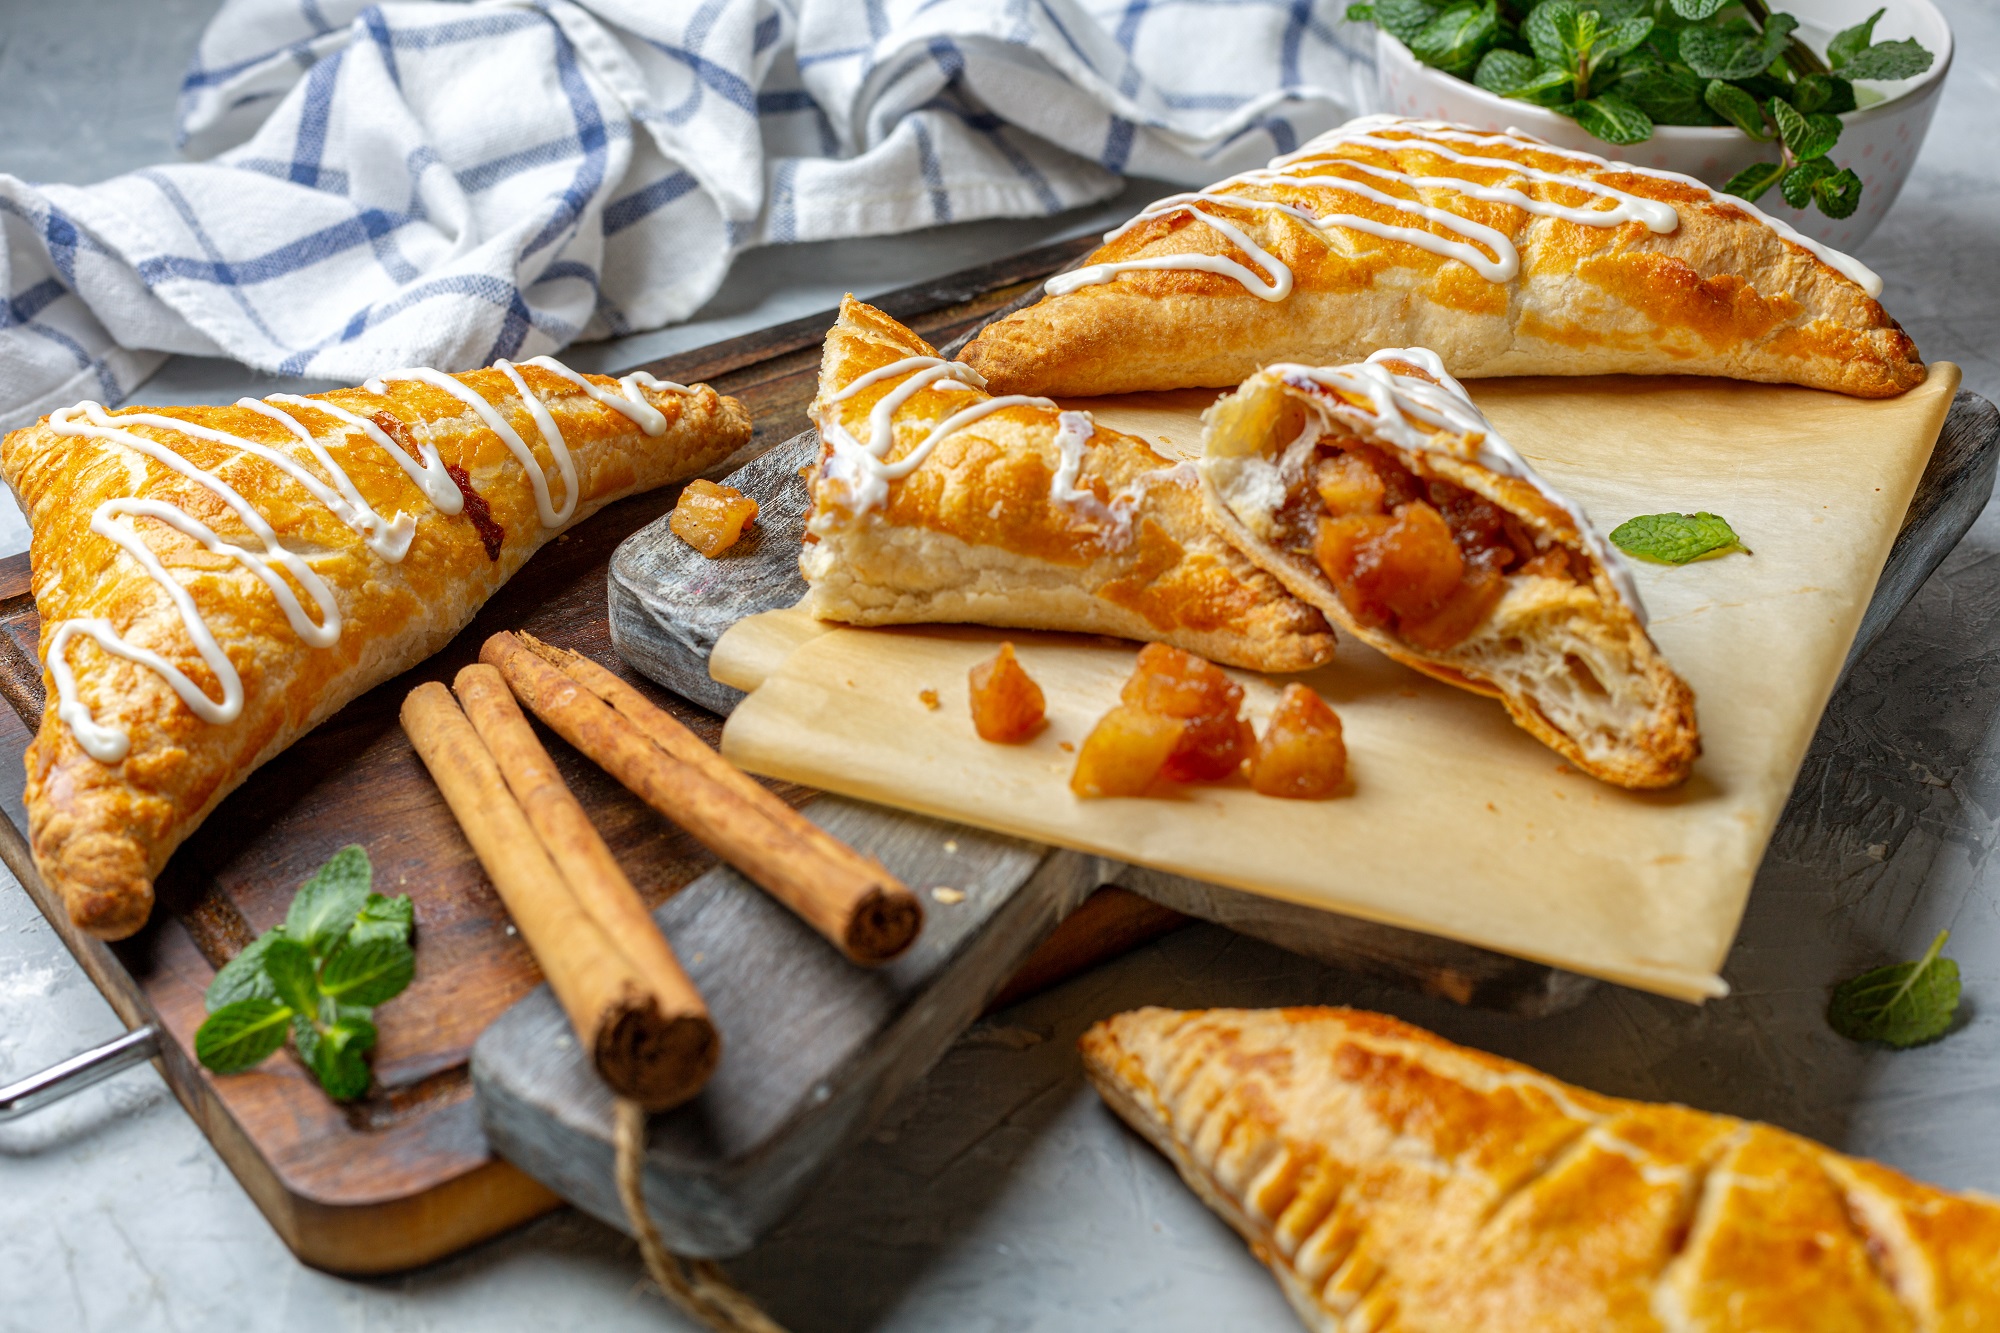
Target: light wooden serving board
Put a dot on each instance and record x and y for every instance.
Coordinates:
(1459, 824)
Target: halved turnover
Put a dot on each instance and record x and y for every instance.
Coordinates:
(1378, 493)
(933, 500)
(1507, 255)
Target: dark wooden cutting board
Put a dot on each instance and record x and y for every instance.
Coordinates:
(405, 1175)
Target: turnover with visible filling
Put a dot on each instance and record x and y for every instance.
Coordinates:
(213, 582)
(1378, 493)
(934, 500)
(1392, 1180)
(1506, 255)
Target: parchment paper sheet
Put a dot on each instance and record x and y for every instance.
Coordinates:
(1458, 824)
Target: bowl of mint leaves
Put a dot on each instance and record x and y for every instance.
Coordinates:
(1813, 110)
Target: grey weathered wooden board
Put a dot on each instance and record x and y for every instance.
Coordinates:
(814, 1048)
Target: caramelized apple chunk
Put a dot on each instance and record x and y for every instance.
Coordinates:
(1301, 755)
(710, 518)
(1125, 752)
(1178, 684)
(1007, 705)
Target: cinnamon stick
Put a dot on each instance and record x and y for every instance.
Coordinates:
(847, 897)
(647, 1046)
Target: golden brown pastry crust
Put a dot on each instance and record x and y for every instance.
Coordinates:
(1723, 294)
(1569, 659)
(972, 533)
(1393, 1180)
(101, 831)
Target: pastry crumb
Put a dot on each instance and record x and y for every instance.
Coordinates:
(951, 846)
(1494, 808)
(929, 698)
(1067, 745)
(949, 897)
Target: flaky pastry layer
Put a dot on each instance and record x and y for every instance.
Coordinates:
(1723, 293)
(976, 534)
(1393, 1180)
(101, 831)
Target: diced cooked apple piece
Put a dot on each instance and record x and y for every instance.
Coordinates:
(1125, 752)
(1459, 614)
(1181, 685)
(1301, 755)
(1347, 485)
(1007, 705)
(710, 518)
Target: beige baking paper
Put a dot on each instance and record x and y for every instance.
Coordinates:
(1458, 823)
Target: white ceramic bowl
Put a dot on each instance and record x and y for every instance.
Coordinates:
(1879, 141)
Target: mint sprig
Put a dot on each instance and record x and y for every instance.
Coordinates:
(1676, 539)
(1620, 67)
(1901, 1005)
(342, 950)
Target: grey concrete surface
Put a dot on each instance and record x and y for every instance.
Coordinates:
(998, 1195)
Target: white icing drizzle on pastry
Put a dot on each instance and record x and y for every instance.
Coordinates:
(863, 468)
(1501, 265)
(1073, 432)
(1401, 406)
(388, 539)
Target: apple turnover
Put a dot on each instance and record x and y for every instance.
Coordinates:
(213, 582)
(1393, 1180)
(1378, 493)
(936, 501)
(1507, 255)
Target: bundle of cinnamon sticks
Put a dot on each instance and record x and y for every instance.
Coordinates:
(646, 1028)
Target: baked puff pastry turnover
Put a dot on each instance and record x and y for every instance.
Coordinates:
(1394, 1181)
(934, 500)
(1378, 493)
(215, 581)
(1506, 255)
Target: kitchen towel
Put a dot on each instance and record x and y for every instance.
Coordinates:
(447, 183)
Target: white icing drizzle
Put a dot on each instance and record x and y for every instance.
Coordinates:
(388, 539)
(1395, 400)
(1073, 432)
(1499, 260)
(863, 468)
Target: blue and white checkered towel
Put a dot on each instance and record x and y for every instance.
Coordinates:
(446, 183)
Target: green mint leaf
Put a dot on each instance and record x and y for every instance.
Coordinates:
(1850, 42)
(1840, 100)
(1737, 107)
(1540, 30)
(241, 1034)
(1361, 13)
(336, 1054)
(1620, 39)
(1812, 93)
(289, 964)
(1501, 71)
(384, 918)
(1694, 11)
(242, 977)
(1576, 30)
(1797, 186)
(327, 904)
(1807, 137)
(1674, 539)
(1887, 60)
(1903, 1004)
(1838, 195)
(1613, 119)
(1715, 54)
(1456, 39)
(1404, 19)
(1751, 182)
(1668, 94)
(368, 973)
